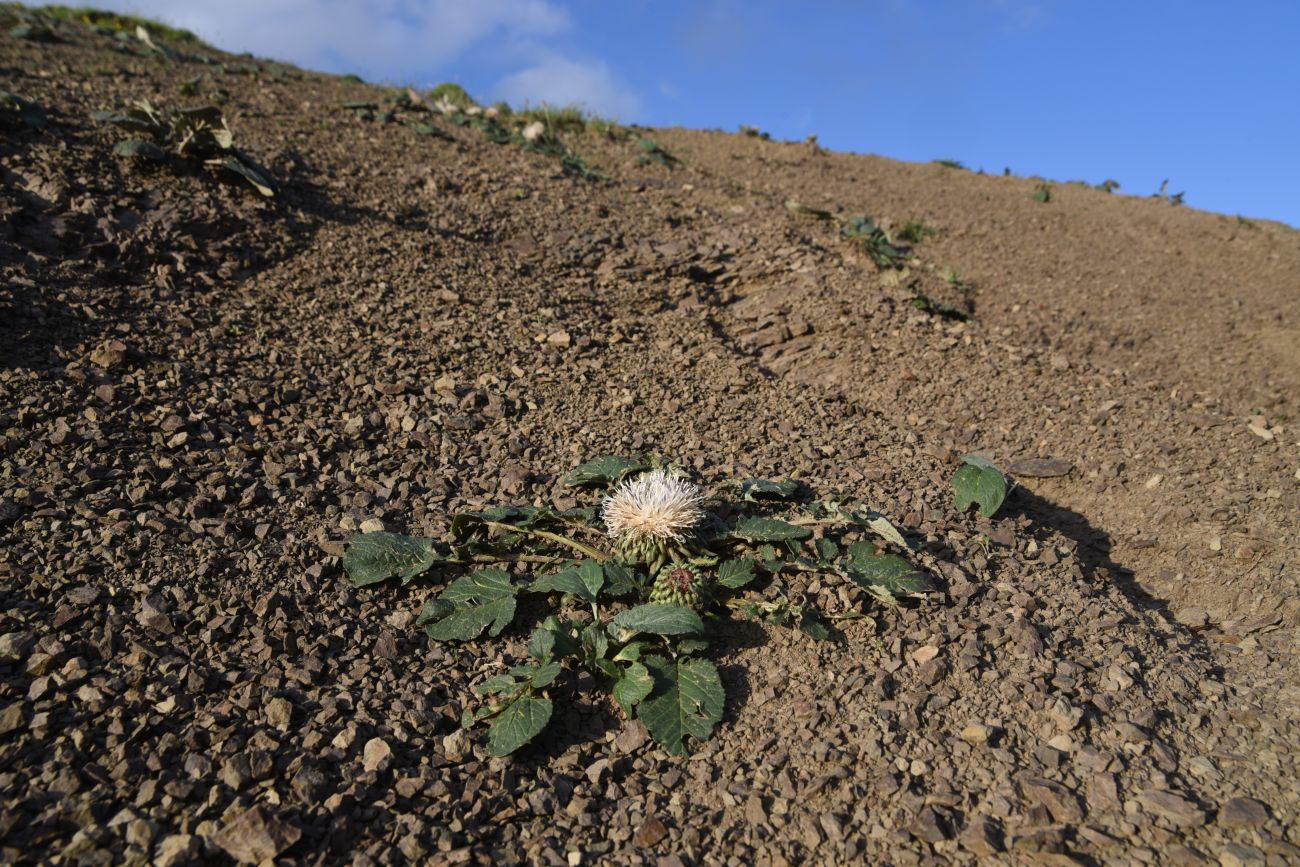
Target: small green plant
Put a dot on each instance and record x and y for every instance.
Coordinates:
(1173, 199)
(351, 78)
(950, 164)
(654, 153)
(453, 94)
(199, 134)
(628, 590)
(979, 482)
(1107, 186)
(1042, 193)
(754, 132)
(914, 232)
(875, 241)
(801, 210)
(18, 112)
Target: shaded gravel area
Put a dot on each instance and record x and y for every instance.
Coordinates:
(203, 394)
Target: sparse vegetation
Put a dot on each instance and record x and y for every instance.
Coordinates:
(633, 603)
(200, 134)
(116, 22)
(1042, 193)
(654, 153)
(16, 111)
(950, 164)
(914, 232)
(875, 241)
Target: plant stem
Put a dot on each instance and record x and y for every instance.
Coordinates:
(551, 537)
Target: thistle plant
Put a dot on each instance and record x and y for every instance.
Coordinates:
(632, 585)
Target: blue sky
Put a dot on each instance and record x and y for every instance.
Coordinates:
(1204, 94)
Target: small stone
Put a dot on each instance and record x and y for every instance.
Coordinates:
(977, 733)
(1063, 804)
(650, 833)
(235, 772)
(15, 645)
(455, 746)
(308, 785)
(1241, 855)
(930, 826)
(755, 812)
(597, 771)
(1178, 810)
(1192, 618)
(377, 756)
(176, 850)
(1065, 715)
(279, 713)
(981, 836)
(632, 737)
(153, 614)
(559, 338)
(256, 836)
(110, 353)
(11, 718)
(1242, 813)
(372, 525)
(924, 654)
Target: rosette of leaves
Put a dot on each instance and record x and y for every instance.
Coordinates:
(875, 241)
(597, 610)
(199, 134)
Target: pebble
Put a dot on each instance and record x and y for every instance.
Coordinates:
(377, 756)
(176, 851)
(1242, 813)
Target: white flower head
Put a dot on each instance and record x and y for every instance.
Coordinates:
(657, 506)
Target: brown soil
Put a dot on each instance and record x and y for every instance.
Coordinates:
(203, 393)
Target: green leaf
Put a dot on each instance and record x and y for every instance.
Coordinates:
(885, 575)
(139, 149)
(434, 609)
(752, 489)
(521, 721)
(881, 526)
(635, 684)
(541, 646)
(657, 620)
(687, 646)
(592, 575)
(375, 557)
(631, 652)
(604, 470)
(687, 700)
(565, 581)
(755, 529)
(483, 585)
(619, 580)
(736, 573)
(980, 481)
(545, 674)
(812, 625)
(495, 685)
(467, 623)
(826, 549)
(254, 177)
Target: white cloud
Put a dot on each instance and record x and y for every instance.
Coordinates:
(393, 40)
(559, 81)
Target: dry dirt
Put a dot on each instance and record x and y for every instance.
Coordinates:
(202, 394)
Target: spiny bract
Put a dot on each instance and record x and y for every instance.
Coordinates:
(678, 584)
